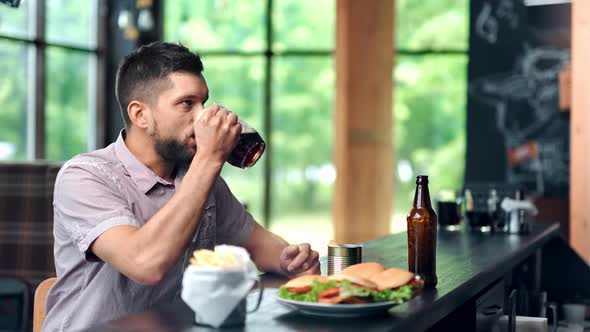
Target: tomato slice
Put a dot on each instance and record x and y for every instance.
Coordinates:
(330, 292)
(299, 290)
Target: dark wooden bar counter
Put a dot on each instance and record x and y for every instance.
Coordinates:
(468, 266)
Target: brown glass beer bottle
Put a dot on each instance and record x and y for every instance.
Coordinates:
(422, 228)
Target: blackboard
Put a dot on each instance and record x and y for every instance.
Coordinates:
(516, 133)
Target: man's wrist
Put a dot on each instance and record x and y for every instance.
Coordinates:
(208, 160)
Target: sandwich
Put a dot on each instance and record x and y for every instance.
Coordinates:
(359, 283)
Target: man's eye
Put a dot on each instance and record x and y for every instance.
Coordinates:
(187, 103)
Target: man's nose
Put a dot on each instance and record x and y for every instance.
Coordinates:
(197, 107)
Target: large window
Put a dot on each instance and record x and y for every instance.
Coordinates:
(430, 98)
(276, 72)
(49, 59)
(271, 61)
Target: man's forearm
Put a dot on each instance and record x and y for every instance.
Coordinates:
(265, 249)
(271, 253)
(165, 236)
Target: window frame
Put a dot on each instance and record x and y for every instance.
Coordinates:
(269, 55)
(36, 68)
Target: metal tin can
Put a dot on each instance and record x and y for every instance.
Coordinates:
(343, 256)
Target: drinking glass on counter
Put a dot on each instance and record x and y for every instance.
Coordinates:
(479, 219)
(448, 208)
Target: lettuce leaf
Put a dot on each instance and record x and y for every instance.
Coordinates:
(399, 295)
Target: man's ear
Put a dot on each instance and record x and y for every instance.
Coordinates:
(139, 114)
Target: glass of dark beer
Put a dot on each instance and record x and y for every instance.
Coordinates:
(449, 215)
(249, 149)
(481, 210)
(448, 209)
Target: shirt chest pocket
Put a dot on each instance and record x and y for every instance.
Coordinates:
(205, 236)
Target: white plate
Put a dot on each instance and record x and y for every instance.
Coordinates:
(336, 310)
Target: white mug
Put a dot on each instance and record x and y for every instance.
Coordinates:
(574, 312)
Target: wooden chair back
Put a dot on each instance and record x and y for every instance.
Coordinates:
(39, 303)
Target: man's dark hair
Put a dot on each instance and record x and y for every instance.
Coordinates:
(143, 73)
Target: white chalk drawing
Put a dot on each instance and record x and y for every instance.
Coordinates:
(507, 12)
(489, 20)
(486, 25)
(525, 101)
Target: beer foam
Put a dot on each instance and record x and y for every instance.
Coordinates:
(246, 129)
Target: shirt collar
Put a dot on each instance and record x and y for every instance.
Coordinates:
(144, 178)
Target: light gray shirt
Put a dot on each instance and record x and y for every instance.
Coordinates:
(107, 188)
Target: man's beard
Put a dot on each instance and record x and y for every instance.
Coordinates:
(171, 150)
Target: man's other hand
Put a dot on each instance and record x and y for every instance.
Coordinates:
(299, 259)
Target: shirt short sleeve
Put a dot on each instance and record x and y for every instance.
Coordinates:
(234, 223)
(88, 200)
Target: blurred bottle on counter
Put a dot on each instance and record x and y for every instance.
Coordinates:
(422, 229)
(495, 212)
(469, 208)
(493, 208)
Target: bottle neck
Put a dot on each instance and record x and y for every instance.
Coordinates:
(422, 196)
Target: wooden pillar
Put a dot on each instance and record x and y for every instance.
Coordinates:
(580, 130)
(363, 119)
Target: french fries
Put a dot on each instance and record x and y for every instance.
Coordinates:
(219, 258)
